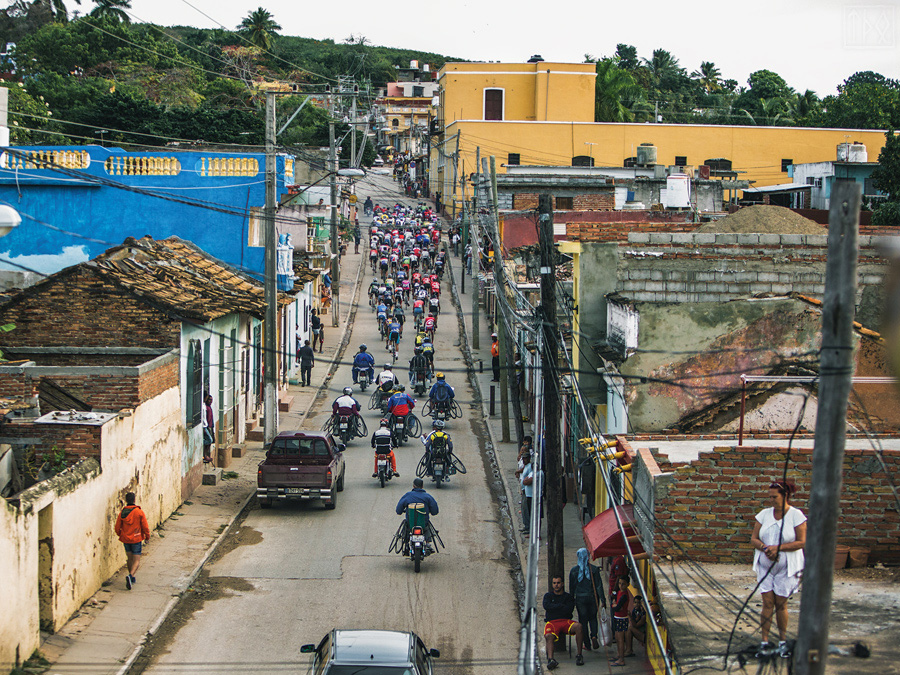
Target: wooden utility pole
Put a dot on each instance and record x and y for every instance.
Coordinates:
(551, 387)
(503, 336)
(476, 259)
(835, 382)
(270, 361)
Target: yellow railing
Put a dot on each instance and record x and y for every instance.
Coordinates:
(228, 166)
(47, 159)
(142, 166)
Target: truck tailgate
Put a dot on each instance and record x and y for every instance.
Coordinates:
(286, 475)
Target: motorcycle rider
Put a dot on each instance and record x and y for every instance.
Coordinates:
(441, 393)
(363, 361)
(438, 440)
(400, 404)
(346, 405)
(418, 496)
(381, 442)
(418, 364)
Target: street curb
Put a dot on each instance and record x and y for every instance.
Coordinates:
(508, 507)
(173, 602)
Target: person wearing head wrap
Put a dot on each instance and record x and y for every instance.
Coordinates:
(779, 535)
(587, 588)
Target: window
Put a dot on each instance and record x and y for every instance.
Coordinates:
(582, 160)
(514, 159)
(564, 203)
(493, 104)
(418, 91)
(395, 123)
(680, 160)
(785, 163)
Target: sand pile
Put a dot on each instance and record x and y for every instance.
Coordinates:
(765, 219)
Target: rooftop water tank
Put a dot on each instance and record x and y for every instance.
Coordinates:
(646, 154)
(678, 191)
(537, 58)
(852, 152)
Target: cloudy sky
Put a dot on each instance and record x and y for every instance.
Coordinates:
(813, 44)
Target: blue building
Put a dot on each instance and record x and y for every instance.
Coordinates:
(77, 201)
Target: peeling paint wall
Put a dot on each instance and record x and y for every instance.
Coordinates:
(141, 453)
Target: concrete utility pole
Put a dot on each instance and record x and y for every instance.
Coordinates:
(500, 294)
(551, 388)
(465, 226)
(353, 130)
(476, 259)
(335, 239)
(270, 399)
(835, 382)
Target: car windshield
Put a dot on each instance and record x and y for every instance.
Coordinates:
(370, 670)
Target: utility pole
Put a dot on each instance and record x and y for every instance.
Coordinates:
(500, 294)
(465, 225)
(551, 388)
(353, 130)
(835, 382)
(476, 258)
(335, 240)
(270, 362)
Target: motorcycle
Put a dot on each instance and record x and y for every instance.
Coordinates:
(399, 431)
(439, 466)
(362, 378)
(420, 383)
(345, 428)
(412, 537)
(385, 472)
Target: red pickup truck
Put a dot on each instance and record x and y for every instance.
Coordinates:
(301, 465)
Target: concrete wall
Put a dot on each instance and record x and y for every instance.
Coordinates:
(709, 507)
(72, 515)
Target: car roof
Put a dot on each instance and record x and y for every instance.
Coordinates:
(302, 434)
(384, 647)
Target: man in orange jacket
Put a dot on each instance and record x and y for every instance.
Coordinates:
(132, 528)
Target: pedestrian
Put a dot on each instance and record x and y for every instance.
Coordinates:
(620, 602)
(558, 607)
(637, 626)
(526, 478)
(357, 235)
(209, 428)
(133, 530)
(495, 357)
(315, 323)
(307, 356)
(586, 587)
(779, 535)
(467, 259)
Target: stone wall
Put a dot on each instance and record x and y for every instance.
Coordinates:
(710, 506)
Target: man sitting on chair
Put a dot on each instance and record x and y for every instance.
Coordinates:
(559, 607)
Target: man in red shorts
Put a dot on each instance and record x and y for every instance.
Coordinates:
(559, 607)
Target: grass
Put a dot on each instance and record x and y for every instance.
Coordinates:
(36, 663)
(230, 474)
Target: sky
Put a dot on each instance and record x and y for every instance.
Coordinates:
(811, 44)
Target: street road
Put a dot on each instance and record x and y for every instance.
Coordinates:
(294, 572)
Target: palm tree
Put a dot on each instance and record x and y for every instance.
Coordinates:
(615, 88)
(112, 9)
(772, 112)
(708, 76)
(259, 26)
(803, 106)
(661, 66)
(57, 9)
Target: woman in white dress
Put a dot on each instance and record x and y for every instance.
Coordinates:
(779, 535)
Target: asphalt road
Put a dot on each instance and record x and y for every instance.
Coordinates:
(292, 573)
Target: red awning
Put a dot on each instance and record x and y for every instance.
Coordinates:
(603, 537)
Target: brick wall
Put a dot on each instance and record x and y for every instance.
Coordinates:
(710, 507)
(103, 392)
(81, 308)
(76, 441)
(158, 380)
(16, 383)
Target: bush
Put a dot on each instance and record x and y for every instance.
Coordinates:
(887, 215)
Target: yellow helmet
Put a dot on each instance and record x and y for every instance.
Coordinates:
(439, 376)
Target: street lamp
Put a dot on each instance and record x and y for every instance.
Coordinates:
(9, 219)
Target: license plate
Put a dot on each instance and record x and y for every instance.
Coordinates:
(417, 538)
(382, 463)
(344, 427)
(293, 491)
(399, 427)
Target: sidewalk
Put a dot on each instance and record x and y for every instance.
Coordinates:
(109, 631)
(506, 454)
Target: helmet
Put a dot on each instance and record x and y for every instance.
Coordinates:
(438, 424)
(362, 348)
(439, 376)
(418, 350)
(400, 387)
(388, 366)
(384, 422)
(347, 391)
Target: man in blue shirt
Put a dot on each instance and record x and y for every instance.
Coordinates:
(418, 496)
(363, 361)
(441, 393)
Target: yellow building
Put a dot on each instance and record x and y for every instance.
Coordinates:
(542, 113)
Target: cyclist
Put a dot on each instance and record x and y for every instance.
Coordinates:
(393, 339)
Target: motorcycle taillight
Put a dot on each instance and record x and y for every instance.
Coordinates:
(417, 530)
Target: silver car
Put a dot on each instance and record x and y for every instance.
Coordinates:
(371, 652)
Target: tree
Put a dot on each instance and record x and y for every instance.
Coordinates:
(708, 77)
(765, 86)
(614, 88)
(626, 57)
(112, 9)
(886, 176)
(57, 8)
(259, 26)
(865, 100)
